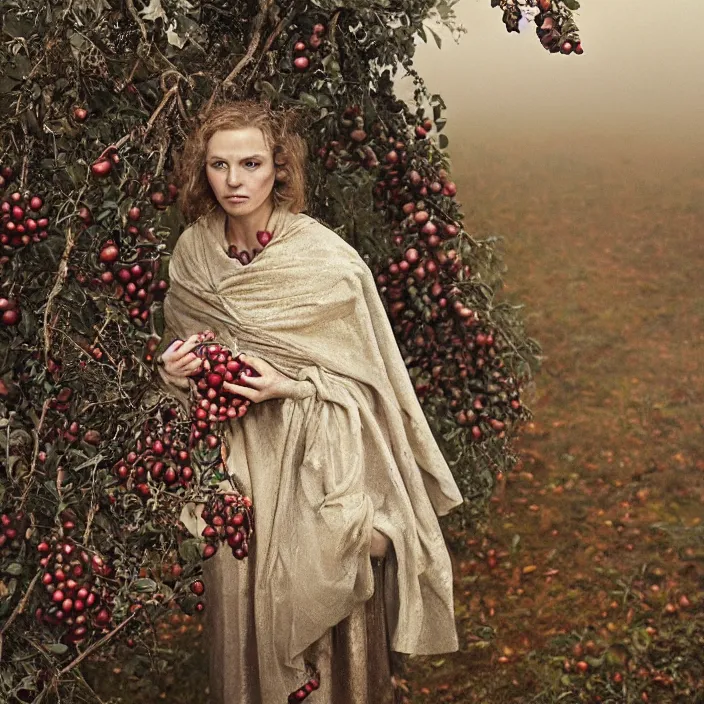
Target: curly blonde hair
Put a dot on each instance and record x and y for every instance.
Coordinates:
(279, 128)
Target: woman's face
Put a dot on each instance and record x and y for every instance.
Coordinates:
(239, 163)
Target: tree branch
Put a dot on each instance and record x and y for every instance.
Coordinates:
(138, 20)
(96, 645)
(264, 7)
(19, 608)
(61, 274)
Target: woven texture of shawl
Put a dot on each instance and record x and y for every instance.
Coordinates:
(351, 452)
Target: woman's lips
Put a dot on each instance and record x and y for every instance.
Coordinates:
(236, 198)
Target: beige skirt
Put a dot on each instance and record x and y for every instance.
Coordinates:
(353, 658)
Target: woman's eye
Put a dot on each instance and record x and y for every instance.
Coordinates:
(217, 164)
(253, 163)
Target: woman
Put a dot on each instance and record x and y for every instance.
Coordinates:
(347, 562)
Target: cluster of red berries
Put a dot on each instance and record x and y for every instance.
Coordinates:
(399, 279)
(160, 199)
(77, 599)
(229, 518)
(300, 694)
(216, 404)
(163, 459)
(22, 220)
(352, 152)
(136, 285)
(71, 430)
(12, 531)
(549, 31)
(61, 401)
(404, 192)
(10, 313)
(244, 257)
(301, 61)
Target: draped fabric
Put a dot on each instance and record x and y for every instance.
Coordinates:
(350, 451)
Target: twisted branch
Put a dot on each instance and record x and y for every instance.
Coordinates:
(61, 275)
(264, 7)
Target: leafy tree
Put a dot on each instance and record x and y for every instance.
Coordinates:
(97, 460)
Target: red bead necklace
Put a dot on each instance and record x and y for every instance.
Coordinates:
(244, 257)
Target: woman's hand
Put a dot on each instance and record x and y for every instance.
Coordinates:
(179, 360)
(270, 384)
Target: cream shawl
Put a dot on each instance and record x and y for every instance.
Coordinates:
(350, 452)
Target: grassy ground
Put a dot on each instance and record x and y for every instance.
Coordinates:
(589, 585)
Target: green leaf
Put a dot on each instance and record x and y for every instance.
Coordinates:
(57, 648)
(14, 568)
(145, 585)
(443, 141)
(437, 39)
(308, 99)
(15, 27)
(268, 90)
(188, 550)
(21, 68)
(572, 4)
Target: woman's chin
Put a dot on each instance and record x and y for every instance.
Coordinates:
(237, 207)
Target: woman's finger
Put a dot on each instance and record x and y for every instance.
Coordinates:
(259, 365)
(188, 346)
(254, 382)
(241, 390)
(191, 368)
(173, 346)
(186, 359)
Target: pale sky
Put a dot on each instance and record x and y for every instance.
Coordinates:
(641, 74)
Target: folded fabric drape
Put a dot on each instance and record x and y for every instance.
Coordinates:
(351, 451)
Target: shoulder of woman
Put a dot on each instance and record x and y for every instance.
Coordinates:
(329, 239)
(190, 235)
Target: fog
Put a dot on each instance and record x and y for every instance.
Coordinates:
(640, 79)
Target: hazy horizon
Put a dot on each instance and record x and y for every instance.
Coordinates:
(637, 81)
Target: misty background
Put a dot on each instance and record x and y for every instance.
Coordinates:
(641, 77)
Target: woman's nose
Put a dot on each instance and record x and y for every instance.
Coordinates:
(233, 178)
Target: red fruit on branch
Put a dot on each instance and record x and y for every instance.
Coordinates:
(301, 63)
(318, 28)
(85, 215)
(299, 46)
(101, 168)
(134, 213)
(158, 199)
(80, 114)
(197, 587)
(421, 133)
(10, 317)
(109, 254)
(450, 189)
(36, 203)
(92, 437)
